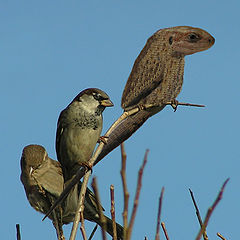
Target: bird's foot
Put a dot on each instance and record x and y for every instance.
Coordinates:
(103, 139)
(88, 166)
(174, 104)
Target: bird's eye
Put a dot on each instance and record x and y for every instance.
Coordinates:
(193, 37)
(170, 40)
(97, 96)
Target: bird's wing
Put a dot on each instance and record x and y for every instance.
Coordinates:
(60, 129)
(49, 177)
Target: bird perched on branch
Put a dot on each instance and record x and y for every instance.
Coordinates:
(79, 128)
(156, 78)
(43, 182)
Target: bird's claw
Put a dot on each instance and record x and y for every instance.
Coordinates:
(103, 139)
(174, 104)
(88, 166)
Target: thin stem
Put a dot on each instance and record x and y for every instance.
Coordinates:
(205, 237)
(80, 207)
(82, 228)
(165, 231)
(157, 237)
(102, 217)
(211, 209)
(93, 232)
(125, 191)
(113, 212)
(137, 195)
(18, 232)
(219, 235)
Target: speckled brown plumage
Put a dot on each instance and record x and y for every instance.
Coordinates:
(156, 77)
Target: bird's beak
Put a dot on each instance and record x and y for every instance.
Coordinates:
(106, 103)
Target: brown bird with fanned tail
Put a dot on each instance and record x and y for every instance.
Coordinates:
(156, 78)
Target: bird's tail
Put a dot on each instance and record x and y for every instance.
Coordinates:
(123, 131)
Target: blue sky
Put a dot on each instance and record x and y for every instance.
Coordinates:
(52, 50)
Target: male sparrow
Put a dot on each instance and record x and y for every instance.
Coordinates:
(79, 128)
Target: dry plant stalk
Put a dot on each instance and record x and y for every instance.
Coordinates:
(18, 232)
(102, 217)
(125, 191)
(219, 235)
(211, 209)
(82, 228)
(113, 212)
(80, 207)
(165, 231)
(93, 232)
(137, 195)
(157, 237)
(205, 237)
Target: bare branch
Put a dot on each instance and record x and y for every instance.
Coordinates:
(165, 231)
(211, 209)
(113, 212)
(174, 104)
(205, 237)
(219, 235)
(18, 232)
(82, 228)
(157, 237)
(125, 191)
(80, 207)
(93, 232)
(102, 217)
(137, 195)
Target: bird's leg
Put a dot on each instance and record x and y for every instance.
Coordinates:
(88, 165)
(174, 104)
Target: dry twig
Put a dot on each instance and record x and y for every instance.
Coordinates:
(82, 228)
(157, 237)
(113, 212)
(219, 235)
(80, 207)
(125, 191)
(211, 209)
(165, 231)
(102, 217)
(205, 237)
(18, 232)
(93, 232)
(137, 195)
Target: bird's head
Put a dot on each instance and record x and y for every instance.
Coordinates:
(32, 157)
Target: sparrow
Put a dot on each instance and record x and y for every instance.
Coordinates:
(78, 129)
(156, 78)
(43, 182)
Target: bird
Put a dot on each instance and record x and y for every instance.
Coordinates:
(43, 182)
(156, 78)
(78, 130)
